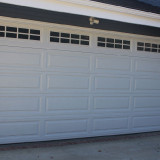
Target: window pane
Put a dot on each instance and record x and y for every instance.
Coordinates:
(76, 36)
(63, 40)
(65, 35)
(147, 49)
(23, 36)
(33, 31)
(11, 29)
(154, 50)
(54, 39)
(140, 44)
(2, 28)
(84, 37)
(11, 35)
(140, 48)
(154, 45)
(23, 30)
(110, 40)
(84, 42)
(147, 44)
(34, 37)
(75, 41)
(56, 34)
(101, 39)
(118, 46)
(110, 45)
(118, 41)
(1, 34)
(101, 44)
(126, 42)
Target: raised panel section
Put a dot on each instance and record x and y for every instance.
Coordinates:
(68, 61)
(112, 83)
(19, 103)
(147, 84)
(113, 63)
(20, 59)
(57, 103)
(18, 129)
(68, 82)
(111, 103)
(20, 81)
(146, 102)
(106, 124)
(66, 126)
(141, 122)
(148, 65)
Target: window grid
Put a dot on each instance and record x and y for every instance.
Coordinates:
(113, 43)
(148, 47)
(60, 37)
(19, 33)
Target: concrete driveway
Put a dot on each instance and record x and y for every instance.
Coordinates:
(126, 147)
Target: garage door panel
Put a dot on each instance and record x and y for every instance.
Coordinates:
(112, 83)
(19, 128)
(21, 58)
(66, 126)
(143, 84)
(65, 61)
(24, 60)
(110, 124)
(111, 103)
(146, 122)
(20, 49)
(147, 65)
(112, 63)
(11, 104)
(20, 81)
(68, 82)
(146, 102)
(67, 103)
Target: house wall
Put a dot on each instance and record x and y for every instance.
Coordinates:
(95, 9)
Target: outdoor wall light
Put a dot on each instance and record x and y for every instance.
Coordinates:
(93, 20)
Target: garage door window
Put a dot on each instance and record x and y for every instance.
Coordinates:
(148, 47)
(59, 37)
(113, 43)
(20, 33)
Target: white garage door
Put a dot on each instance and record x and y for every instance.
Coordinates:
(60, 82)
